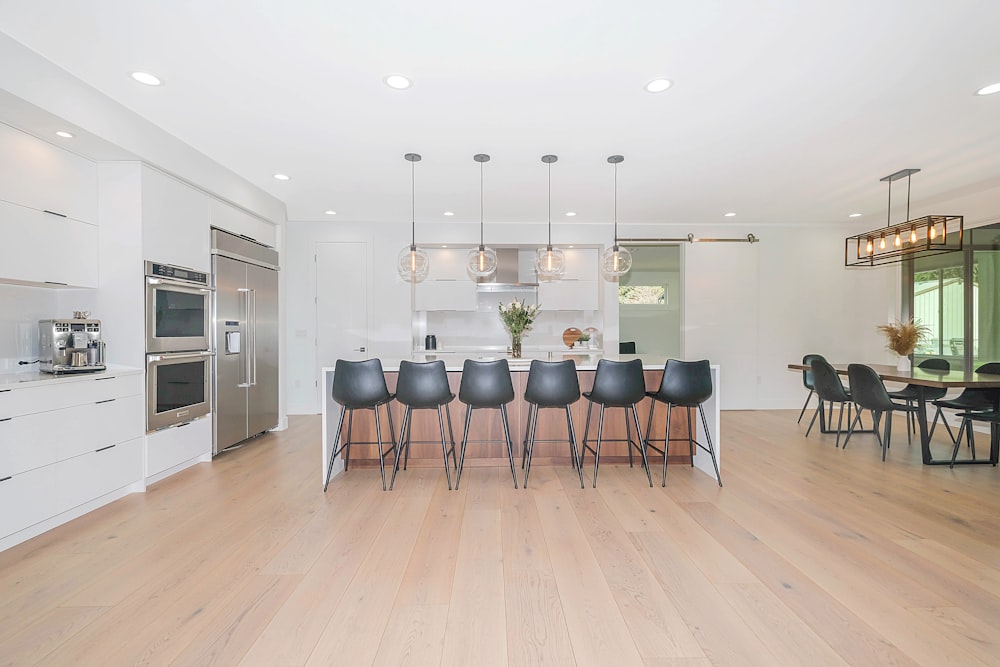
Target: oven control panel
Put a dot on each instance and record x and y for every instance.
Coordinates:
(176, 273)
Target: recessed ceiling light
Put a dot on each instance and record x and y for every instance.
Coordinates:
(146, 78)
(854, 215)
(449, 213)
(658, 85)
(570, 214)
(445, 245)
(64, 134)
(397, 81)
(281, 177)
(989, 90)
(327, 212)
(730, 215)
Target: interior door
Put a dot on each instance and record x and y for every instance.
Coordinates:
(263, 394)
(341, 302)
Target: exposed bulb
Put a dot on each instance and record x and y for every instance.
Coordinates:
(870, 246)
(550, 262)
(881, 242)
(413, 264)
(897, 241)
(913, 234)
(932, 232)
(482, 261)
(616, 261)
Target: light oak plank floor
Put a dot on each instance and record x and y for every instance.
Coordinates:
(810, 555)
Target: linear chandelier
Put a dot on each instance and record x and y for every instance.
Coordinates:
(919, 237)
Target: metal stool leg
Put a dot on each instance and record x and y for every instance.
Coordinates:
(404, 445)
(381, 454)
(573, 452)
(333, 454)
(444, 448)
(586, 431)
(804, 406)
(465, 441)
(642, 451)
(711, 447)
(510, 446)
(597, 450)
(347, 443)
(666, 444)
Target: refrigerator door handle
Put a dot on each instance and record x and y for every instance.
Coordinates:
(253, 337)
(244, 349)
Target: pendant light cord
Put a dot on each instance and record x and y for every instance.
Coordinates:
(550, 205)
(616, 205)
(413, 204)
(482, 180)
(908, 176)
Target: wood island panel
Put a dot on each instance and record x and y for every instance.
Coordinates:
(486, 446)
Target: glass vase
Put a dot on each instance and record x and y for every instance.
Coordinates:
(515, 346)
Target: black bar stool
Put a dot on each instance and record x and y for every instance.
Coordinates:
(360, 385)
(551, 384)
(423, 386)
(617, 384)
(685, 384)
(486, 384)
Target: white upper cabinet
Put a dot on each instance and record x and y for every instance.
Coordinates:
(448, 264)
(47, 249)
(236, 221)
(581, 264)
(175, 222)
(578, 288)
(38, 175)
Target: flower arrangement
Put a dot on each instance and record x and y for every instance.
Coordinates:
(517, 319)
(902, 337)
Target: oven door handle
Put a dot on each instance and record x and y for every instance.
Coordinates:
(150, 358)
(186, 287)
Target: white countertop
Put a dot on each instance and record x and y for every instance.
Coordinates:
(34, 378)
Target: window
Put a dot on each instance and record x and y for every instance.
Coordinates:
(643, 294)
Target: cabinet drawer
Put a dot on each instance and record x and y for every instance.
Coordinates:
(83, 478)
(173, 446)
(79, 391)
(35, 440)
(26, 499)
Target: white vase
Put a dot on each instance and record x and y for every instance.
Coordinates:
(903, 364)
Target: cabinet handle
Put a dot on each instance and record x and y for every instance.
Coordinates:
(107, 400)
(53, 282)
(107, 378)
(61, 215)
(6, 419)
(104, 448)
(4, 391)
(4, 479)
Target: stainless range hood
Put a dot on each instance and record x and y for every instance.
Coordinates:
(507, 277)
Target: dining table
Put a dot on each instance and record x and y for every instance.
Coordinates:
(922, 379)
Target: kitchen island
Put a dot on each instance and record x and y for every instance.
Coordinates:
(425, 447)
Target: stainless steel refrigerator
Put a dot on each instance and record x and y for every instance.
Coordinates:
(245, 311)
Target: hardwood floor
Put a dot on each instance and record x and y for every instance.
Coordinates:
(810, 555)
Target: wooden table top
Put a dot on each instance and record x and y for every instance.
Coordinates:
(922, 376)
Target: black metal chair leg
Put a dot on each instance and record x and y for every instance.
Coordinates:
(444, 448)
(597, 450)
(711, 447)
(628, 437)
(451, 434)
(586, 432)
(850, 431)
(527, 427)
(347, 444)
(690, 436)
(573, 450)
(510, 446)
(381, 454)
(805, 405)
(333, 454)
(819, 409)
(465, 441)
(666, 444)
(840, 424)
(642, 450)
(402, 445)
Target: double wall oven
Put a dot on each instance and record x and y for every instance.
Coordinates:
(178, 354)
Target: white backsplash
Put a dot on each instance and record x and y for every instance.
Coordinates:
(483, 328)
(21, 308)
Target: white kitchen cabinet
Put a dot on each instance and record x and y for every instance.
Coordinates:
(581, 264)
(236, 221)
(39, 175)
(47, 249)
(445, 295)
(65, 444)
(177, 445)
(447, 264)
(176, 222)
(568, 295)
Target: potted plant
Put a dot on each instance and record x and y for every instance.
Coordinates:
(902, 338)
(584, 339)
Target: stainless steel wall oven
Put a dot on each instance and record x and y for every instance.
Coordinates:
(178, 309)
(178, 388)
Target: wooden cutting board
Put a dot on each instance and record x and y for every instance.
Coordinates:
(570, 336)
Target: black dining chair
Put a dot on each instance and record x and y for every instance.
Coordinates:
(969, 401)
(911, 392)
(868, 393)
(830, 391)
(485, 384)
(617, 384)
(628, 347)
(360, 385)
(807, 382)
(993, 419)
(423, 386)
(685, 384)
(551, 384)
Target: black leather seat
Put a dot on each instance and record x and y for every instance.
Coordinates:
(830, 390)
(551, 384)
(807, 382)
(869, 393)
(360, 385)
(685, 384)
(617, 384)
(486, 384)
(424, 386)
(969, 401)
(911, 392)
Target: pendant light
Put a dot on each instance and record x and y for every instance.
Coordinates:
(413, 262)
(550, 262)
(482, 260)
(616, 261)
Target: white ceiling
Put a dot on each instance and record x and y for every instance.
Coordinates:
(781, 111)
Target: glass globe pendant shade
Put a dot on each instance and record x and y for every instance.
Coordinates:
(550, 262)
(616, 261)
(482, 261)
(413, 264)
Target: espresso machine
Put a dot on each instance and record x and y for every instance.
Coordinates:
(70, 346)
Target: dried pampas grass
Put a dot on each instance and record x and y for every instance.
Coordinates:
(902, 337)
